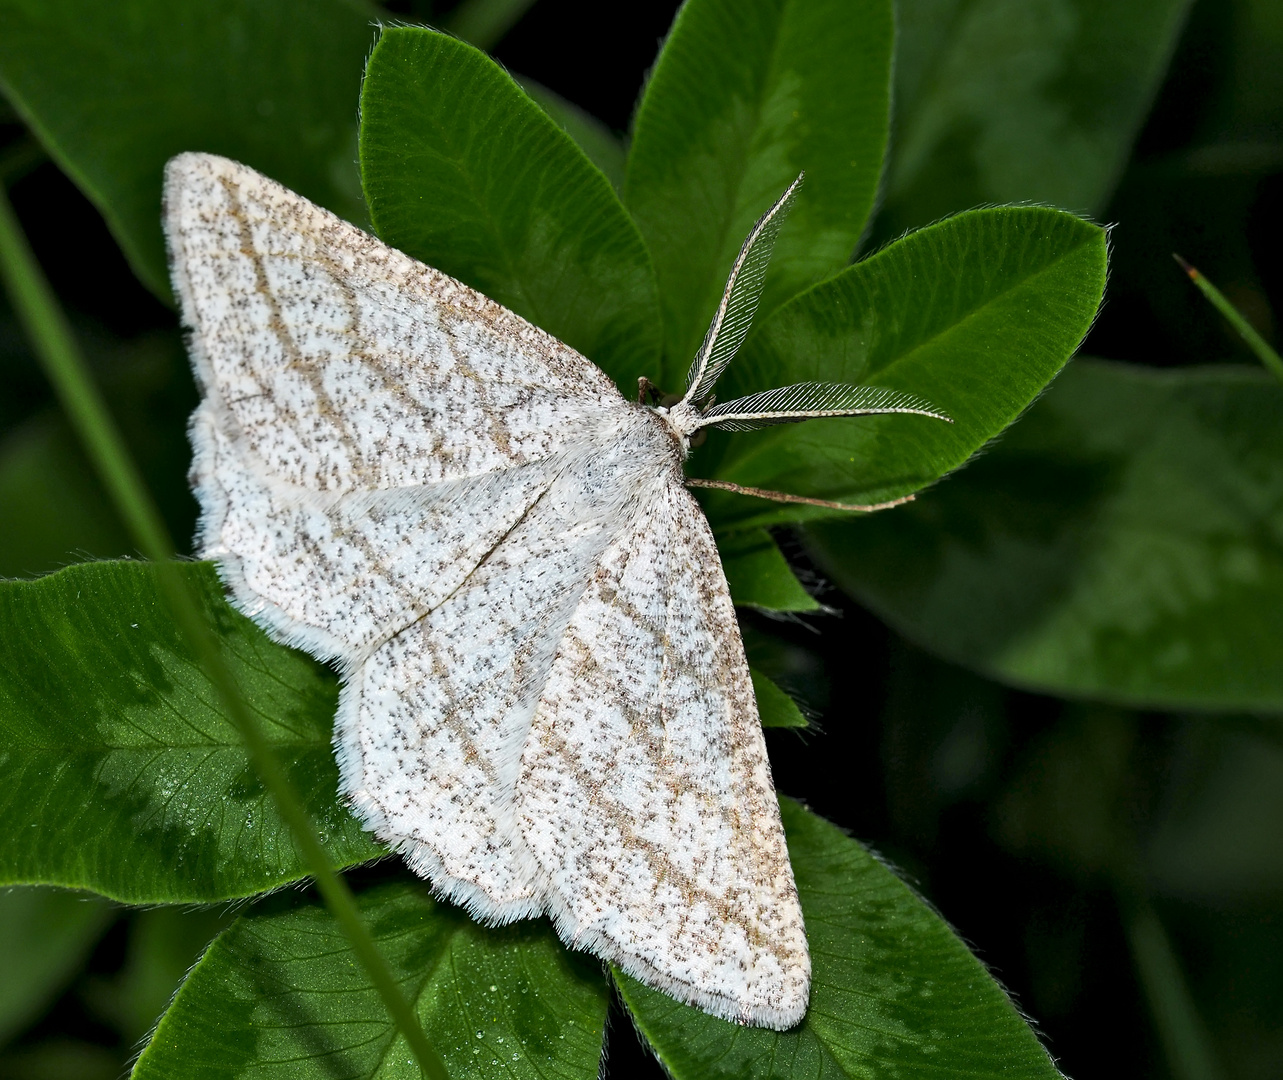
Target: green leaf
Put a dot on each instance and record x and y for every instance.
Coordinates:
(603, 146)
(464, 172)
(745, 95)
(759, 575)
(1124, 542)
(774, 706)
(45, 935)
(114, 90)
(893, 990)
(976, 315)
(118, 772)
(1033, 100)
(278, 995)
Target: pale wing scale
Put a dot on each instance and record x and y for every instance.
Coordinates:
(645, 794)
(397, 472)
(370, 426)
(431, 728)
(345, 364)
(339, 576)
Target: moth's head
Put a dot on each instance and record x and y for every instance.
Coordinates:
(682, 419)
(686, 422)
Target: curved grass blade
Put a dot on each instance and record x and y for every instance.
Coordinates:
(1234, 317)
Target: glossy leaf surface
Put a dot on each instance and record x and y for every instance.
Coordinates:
(279, 995)
(894, 992)
(465, 173)
(115, 90)
(976, 315)
(1020, 101)
(1124, 541)
(119, 774)
(747, 94)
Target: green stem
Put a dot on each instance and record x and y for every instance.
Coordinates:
(38, 309)
(1245, 329)
(1180, 1028)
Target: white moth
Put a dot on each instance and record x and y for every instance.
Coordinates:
(546, 707)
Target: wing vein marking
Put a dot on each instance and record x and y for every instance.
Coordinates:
(468, 576)
(498, 430)
(667, 673)
(496, 427)
(743, 740)
(673, 666)
(665, 870)
(378, 561)
(279, 328)
(454, 716)
(340, 276)
(635, 711)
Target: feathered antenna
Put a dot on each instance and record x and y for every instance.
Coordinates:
(734, 314)
(787, 404)
(813, 401)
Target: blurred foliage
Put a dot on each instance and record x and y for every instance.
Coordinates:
(1124, 542)
(1118, 867)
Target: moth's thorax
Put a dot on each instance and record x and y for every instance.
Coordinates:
(617, 469)
(683, 420)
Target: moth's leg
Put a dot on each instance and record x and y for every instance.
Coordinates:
(784, 497)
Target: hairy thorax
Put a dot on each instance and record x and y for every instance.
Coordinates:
(608, 477)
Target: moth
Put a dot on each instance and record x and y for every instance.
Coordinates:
(545, 703)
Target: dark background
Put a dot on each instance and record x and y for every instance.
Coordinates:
(1007, 810)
